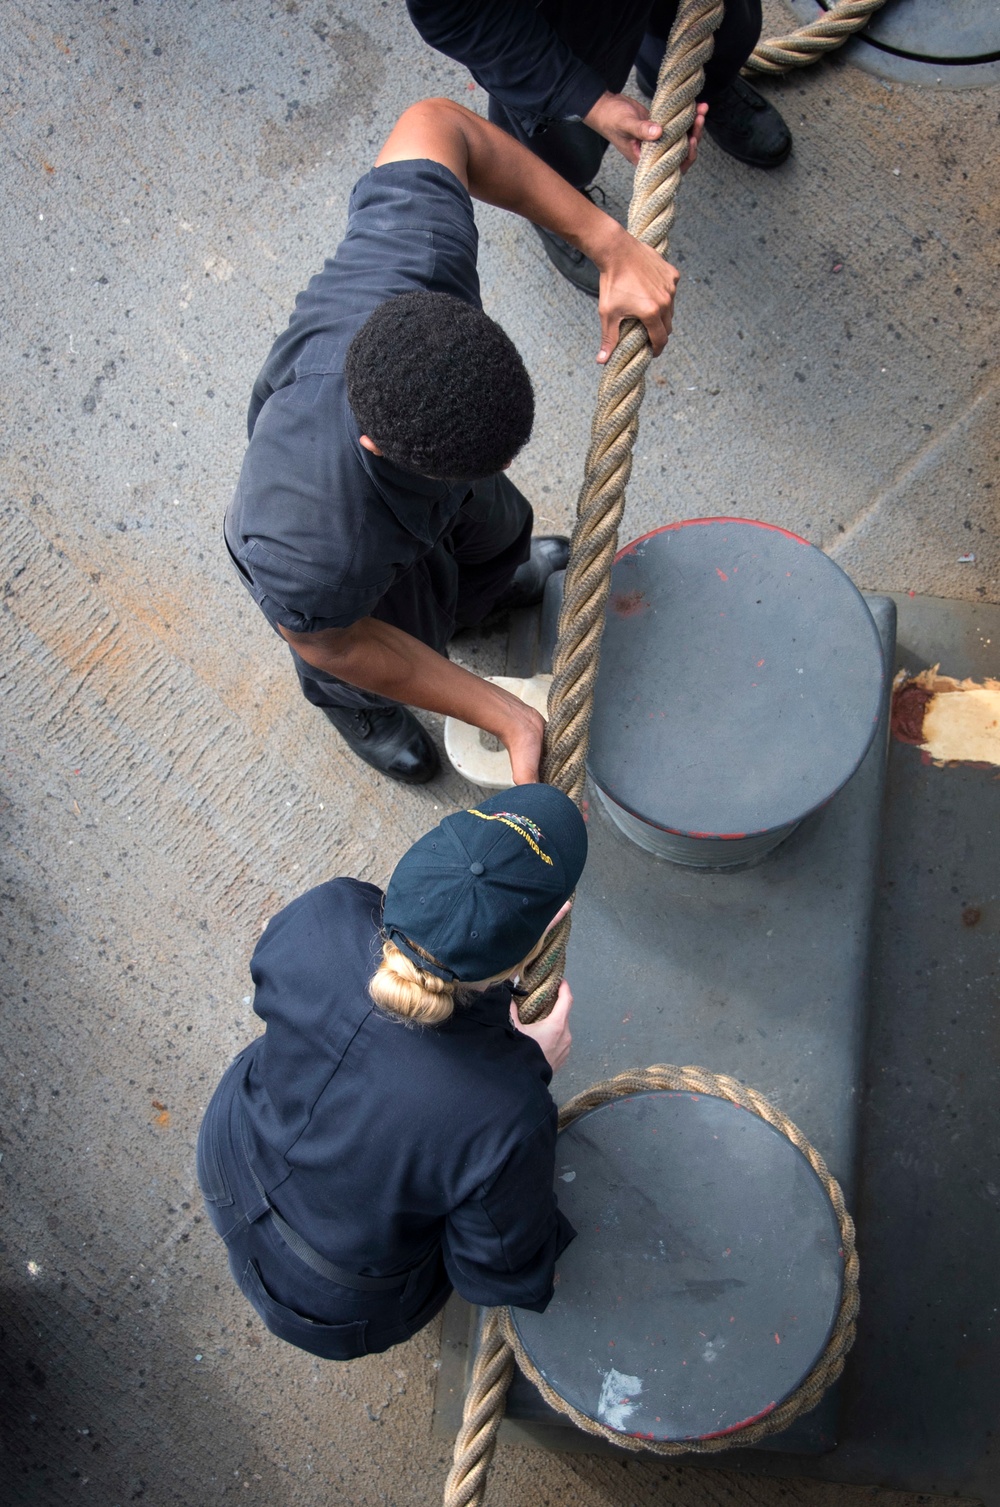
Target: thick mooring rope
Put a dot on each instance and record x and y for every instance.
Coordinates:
(588, 577)
(601, 502)
(609, 460)
(796, 49)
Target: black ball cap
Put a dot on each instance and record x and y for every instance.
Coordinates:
(477, 891)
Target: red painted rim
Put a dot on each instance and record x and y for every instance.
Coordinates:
(665, 528)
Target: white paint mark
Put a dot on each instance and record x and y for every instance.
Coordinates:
(219, 269)
(34, 1270)
(615, 1405)
(567, 1177)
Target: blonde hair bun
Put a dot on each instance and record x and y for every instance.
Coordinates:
(413, 993)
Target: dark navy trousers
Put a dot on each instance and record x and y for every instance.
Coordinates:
(576, 152)
(454, 587)
(295, 1303)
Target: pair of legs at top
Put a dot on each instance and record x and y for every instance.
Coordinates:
(740, 120)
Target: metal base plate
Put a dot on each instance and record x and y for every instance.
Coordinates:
(920, 1387)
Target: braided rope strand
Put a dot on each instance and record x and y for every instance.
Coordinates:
(807, 44)
(601, 503)
(588, 577)
(474, 1445)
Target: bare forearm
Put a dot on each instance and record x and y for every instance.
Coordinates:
(635, 281)
(503, 172)
(499, 170)
(378, 657)
(383, 659)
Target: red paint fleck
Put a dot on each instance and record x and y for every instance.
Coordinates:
(911, 593)
(837, 267)
(729, 1250)
(743, 1424)
(628, 603)
(470, 86)
(777, 1339)
(721, 574)
(759, 663)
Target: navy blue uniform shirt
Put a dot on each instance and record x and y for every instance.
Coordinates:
(319, 528)
(543, 60)
(375, 1139)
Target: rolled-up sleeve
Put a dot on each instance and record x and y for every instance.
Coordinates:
(511, 50)
(501, 1245)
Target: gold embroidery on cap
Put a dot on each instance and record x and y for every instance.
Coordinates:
(522, 825)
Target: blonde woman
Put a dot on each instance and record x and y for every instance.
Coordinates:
(391, 1134)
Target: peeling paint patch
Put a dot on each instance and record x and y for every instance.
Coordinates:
(615, 1405)
(951, 721)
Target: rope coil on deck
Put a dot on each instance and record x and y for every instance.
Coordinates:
(588, 577)
(807, 44)
(698, 1080)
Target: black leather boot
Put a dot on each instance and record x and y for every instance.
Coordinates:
(549, 553)
(741, 122)
(574, 266)
(745, 125)
(390, 739)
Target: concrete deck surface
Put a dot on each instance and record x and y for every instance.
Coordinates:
(173, 177)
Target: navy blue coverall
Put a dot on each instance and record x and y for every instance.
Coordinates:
(323, 532)
(413, 1158)
(546, 63)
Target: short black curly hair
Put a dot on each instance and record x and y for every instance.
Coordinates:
(439, 387)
